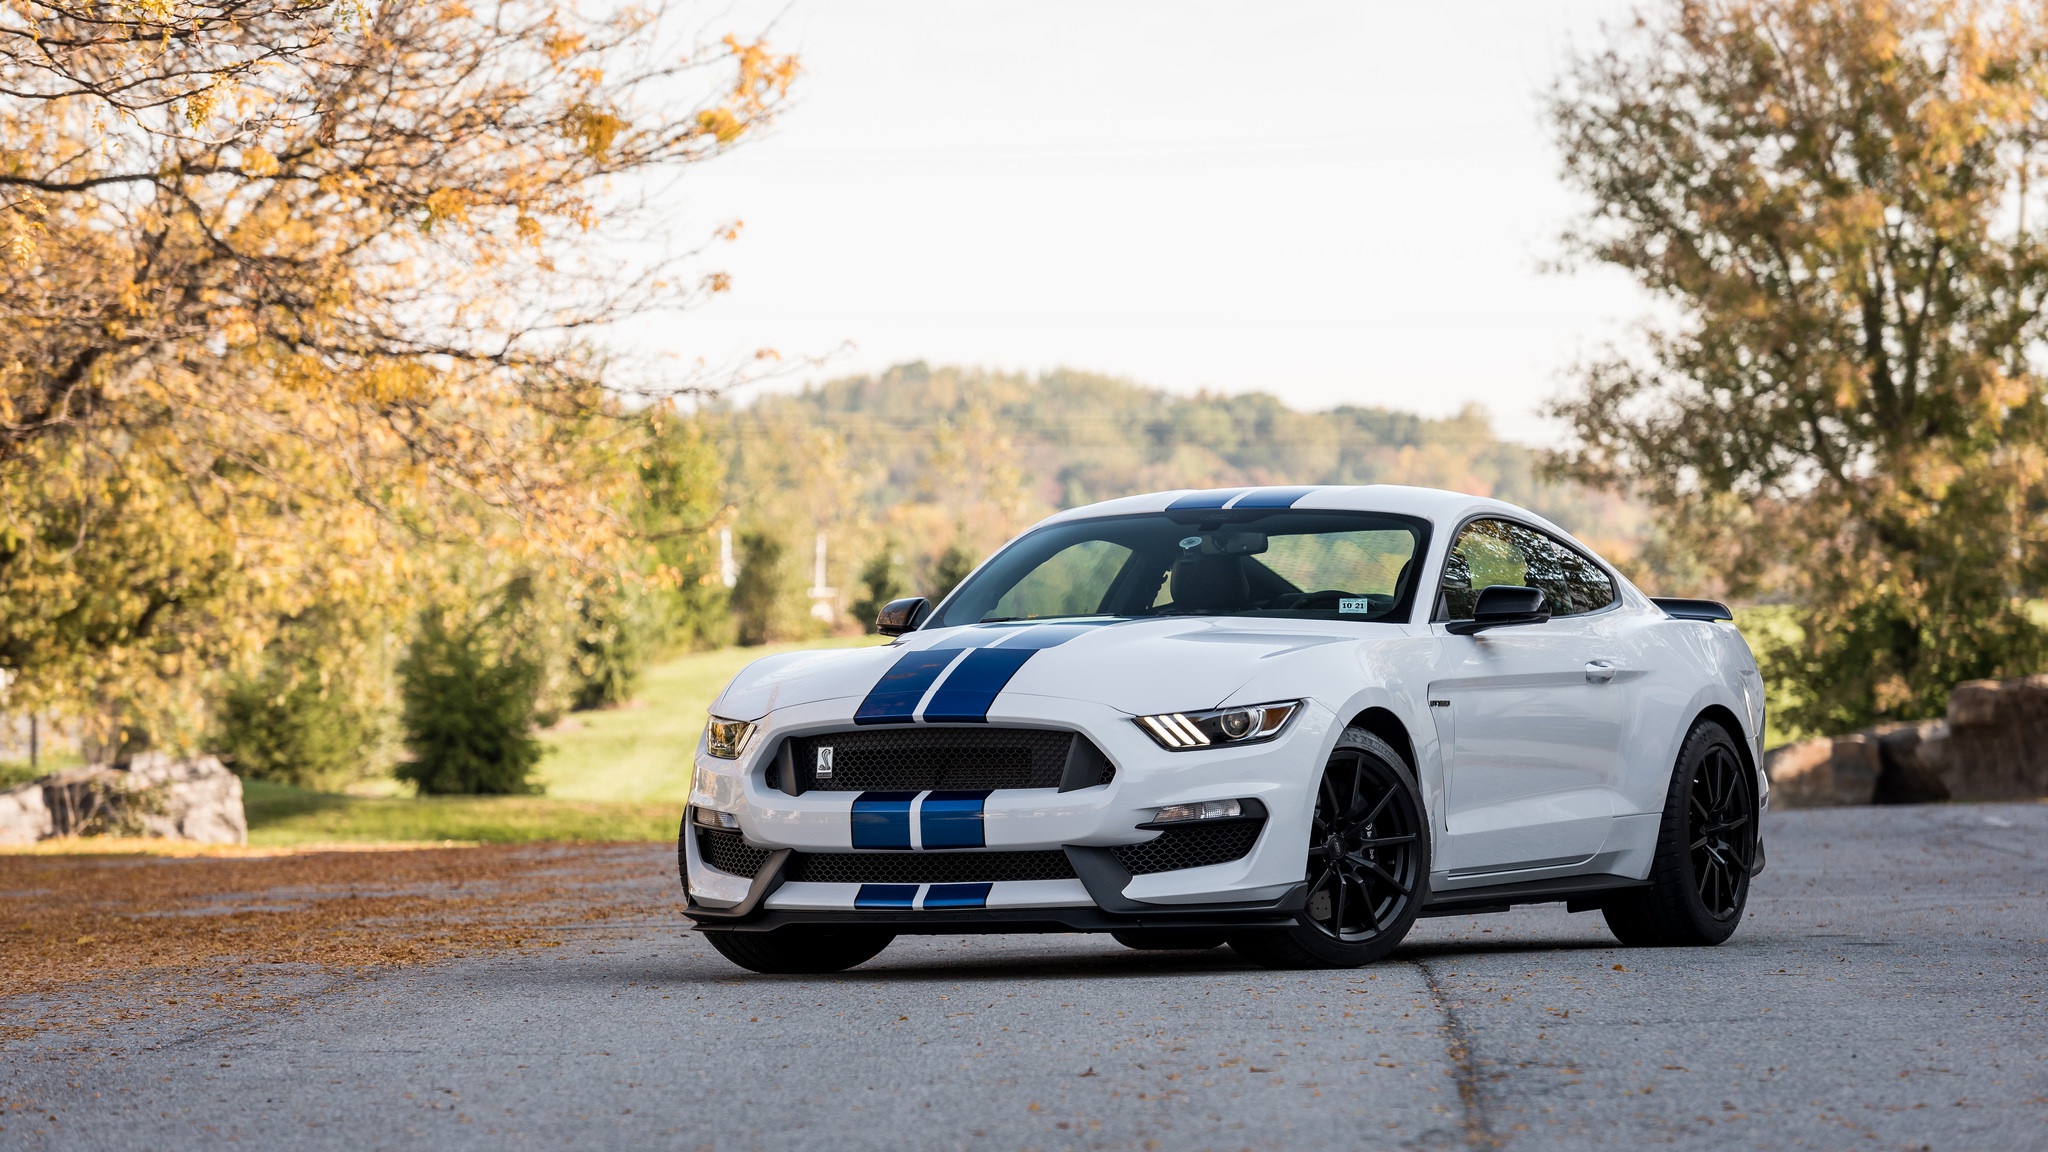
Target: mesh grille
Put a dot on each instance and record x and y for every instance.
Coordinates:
(1193, 847)
(926, 867)
(913, 759)
(730, 853)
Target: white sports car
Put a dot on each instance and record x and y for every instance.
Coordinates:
(1290, 719)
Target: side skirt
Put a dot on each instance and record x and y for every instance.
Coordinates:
(1581, 893)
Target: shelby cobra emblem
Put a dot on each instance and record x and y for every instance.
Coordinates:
(1287, 719)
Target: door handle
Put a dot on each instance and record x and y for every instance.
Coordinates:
(1599, 671)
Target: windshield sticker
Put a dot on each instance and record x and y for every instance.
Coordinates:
(1354, 604)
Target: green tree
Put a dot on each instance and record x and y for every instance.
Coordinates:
(1830, 201)
(469, 710)
(303, 733)
(953, 565)
(287, 289)
(881, 581)
(767, 596)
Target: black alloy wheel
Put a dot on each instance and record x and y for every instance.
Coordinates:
(1706, 850)
(1367, 867)
(1718, 832)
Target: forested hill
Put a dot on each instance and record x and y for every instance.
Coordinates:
(970, 446)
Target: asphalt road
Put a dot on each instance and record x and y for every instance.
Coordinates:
(1886, 991)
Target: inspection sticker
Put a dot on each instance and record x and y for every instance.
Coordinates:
(1358, 605)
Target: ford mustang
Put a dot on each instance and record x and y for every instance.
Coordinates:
(1291, 720)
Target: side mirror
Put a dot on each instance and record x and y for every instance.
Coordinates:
(900, 616)
(1501, 605)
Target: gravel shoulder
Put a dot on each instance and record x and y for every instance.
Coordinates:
(1885, 992)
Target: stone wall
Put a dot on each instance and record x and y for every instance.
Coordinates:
(1992, 746)
(151, 795)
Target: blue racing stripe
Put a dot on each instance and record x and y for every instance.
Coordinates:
(882, 820)
(971, 690)
(951, 819)
(955, 896)
(887, 896)
(1273, 497)
(968, 693)
(1213, 498)
(893, 699)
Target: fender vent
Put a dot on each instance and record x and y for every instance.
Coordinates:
(1196, 846)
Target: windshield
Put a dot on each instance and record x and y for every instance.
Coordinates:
(1286, 563)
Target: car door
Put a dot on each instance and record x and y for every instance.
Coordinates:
(1531, 716)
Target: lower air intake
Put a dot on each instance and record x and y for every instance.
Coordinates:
(730, 853)
(925, 867)
(1196, 846)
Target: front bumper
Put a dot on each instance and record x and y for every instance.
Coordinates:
(1096, 891)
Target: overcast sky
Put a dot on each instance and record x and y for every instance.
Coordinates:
(1338, 202)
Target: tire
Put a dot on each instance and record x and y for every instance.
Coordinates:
(800, 950)
(1169, 939)
(1367, 867)
(1706, 844)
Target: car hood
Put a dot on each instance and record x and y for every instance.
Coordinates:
(1137, 666)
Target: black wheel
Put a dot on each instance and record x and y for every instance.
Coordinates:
(1368, 863)
(1706, 844)
(800, 950)
(1169, 939)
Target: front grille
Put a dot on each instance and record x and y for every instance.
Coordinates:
(1195, 846)
(730, 853)
(915, 759)
(926, 867)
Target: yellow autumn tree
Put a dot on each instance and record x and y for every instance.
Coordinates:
(1839, 207)
(294, 291)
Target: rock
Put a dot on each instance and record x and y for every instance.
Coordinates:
(24, 818)
(201, 799)
(1996, 743)
(1993, 746)
(1875, 766)
(1801, 775)
(151, 795)
(1973, 703)
(1908, 775)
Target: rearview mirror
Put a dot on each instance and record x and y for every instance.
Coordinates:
(1501, 605)
(900, 616)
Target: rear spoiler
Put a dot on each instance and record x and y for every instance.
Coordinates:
(1682, 609)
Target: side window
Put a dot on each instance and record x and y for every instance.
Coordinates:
(1490, 552)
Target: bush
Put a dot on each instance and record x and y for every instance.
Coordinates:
(610, 651)
(953, 566)
(767, 599)
(468, 713)
(882, 582)
(267, 727)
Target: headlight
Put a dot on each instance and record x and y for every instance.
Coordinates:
(726, 739)
(1181, 731)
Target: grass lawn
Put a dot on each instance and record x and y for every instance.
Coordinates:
(620, 774)
(642, 752)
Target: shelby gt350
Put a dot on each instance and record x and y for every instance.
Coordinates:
(1289, 719)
